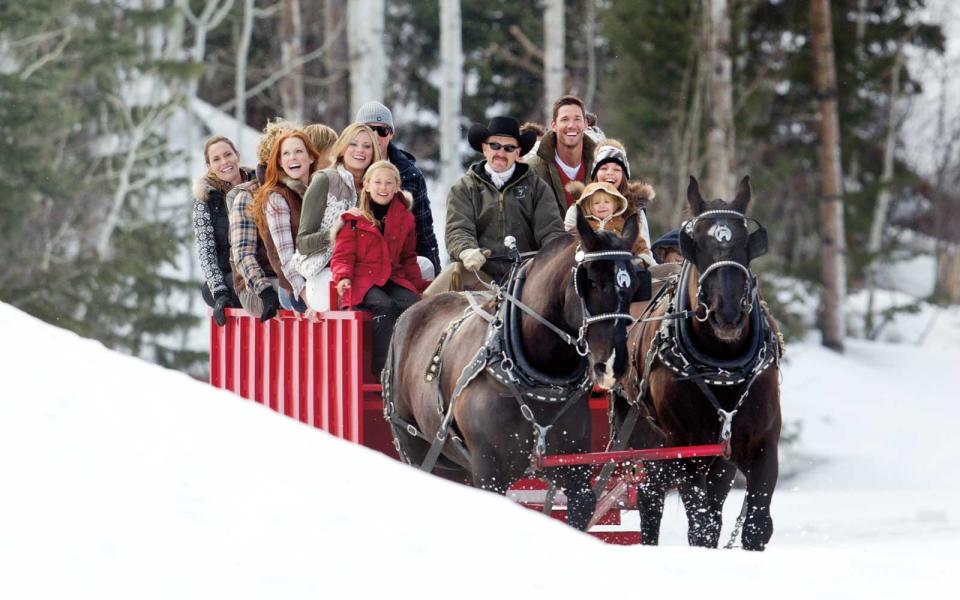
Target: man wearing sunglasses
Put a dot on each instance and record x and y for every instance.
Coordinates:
(496, 198)
(379, 118)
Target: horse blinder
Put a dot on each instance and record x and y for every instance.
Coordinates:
(644, 286)
(757, 243)
(688, 247)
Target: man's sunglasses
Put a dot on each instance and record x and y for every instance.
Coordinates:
(381, 130)
(505, 147)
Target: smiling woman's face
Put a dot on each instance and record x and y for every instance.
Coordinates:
(295, 160)
(223, 162)
(359, 153)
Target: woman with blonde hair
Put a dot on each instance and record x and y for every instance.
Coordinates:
(374, 261)
(323, 138)
(332, 192)
(277, 209)
(211, 224)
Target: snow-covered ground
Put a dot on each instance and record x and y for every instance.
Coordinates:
(124, 480)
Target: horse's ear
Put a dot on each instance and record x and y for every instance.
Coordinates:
(630, 231)
(694, 199)
(744, 193)
(588, 238)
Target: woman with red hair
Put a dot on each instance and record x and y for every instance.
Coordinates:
(277, 207)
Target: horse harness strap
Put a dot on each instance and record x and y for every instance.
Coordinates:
(677, 353)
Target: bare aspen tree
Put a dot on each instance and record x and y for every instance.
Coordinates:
(882, 206)
(554, 29)
(368, 58)
(335, 63)
(833, 268)
(590, 39)
(720, 134)
(291, 49)
(451, 90)
(243, 56)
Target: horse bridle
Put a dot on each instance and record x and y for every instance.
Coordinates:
(581, 258)
(756, 246)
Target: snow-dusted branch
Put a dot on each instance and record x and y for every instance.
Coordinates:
(49, 56)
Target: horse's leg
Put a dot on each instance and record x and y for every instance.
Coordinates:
(720, 478)
(650, 494)
(702, 528)
(761, 475)
(488, 473)
(581, 501)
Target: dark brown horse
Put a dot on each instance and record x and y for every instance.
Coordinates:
(713, 376)
(522, 379)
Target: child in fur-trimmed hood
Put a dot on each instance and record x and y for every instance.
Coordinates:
(606, 209)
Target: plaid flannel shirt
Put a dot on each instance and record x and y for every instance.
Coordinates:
(244, 238)
(278, 219)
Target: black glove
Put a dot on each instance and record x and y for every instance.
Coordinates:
(271, 303)
(219, 304)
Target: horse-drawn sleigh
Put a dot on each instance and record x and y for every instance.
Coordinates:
(501, 390)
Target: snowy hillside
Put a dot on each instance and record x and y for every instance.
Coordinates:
(124, 480)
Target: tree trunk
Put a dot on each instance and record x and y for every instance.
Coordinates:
(883, 198)
(335, 62)
(554, 31)
(590, 35)
(451, 90)
(368, 59)
(291, 48)
(243, 55)
(833, 272)
(720, 134)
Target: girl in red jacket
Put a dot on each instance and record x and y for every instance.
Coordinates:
(374, 263)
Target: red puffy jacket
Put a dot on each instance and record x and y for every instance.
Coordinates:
(368, 258)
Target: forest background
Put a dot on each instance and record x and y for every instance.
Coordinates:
(99, 128)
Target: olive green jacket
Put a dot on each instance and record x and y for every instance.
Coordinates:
(546, 169)
(480, 216)
(329, 194)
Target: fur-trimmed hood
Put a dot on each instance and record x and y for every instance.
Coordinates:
(209, 183)
(584, 193)
(640, 193)
(403, 195)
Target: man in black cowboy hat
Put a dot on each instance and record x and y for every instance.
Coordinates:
(497, 197)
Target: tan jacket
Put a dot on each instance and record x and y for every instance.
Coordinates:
(637, 193)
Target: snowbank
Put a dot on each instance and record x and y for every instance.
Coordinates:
(122, 479)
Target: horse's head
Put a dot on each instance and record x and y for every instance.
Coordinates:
(717, 240)
(604, 283)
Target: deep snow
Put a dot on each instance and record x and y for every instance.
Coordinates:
(122, 479)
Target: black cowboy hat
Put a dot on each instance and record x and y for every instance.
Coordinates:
(507, 126)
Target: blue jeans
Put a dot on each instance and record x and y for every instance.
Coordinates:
(288, 302)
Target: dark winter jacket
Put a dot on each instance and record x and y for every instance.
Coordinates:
(211, 228)
(369, 258)
(544, 165)
(480, 216)
(411, 180)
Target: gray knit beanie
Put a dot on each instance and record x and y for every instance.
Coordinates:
(374, 112)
